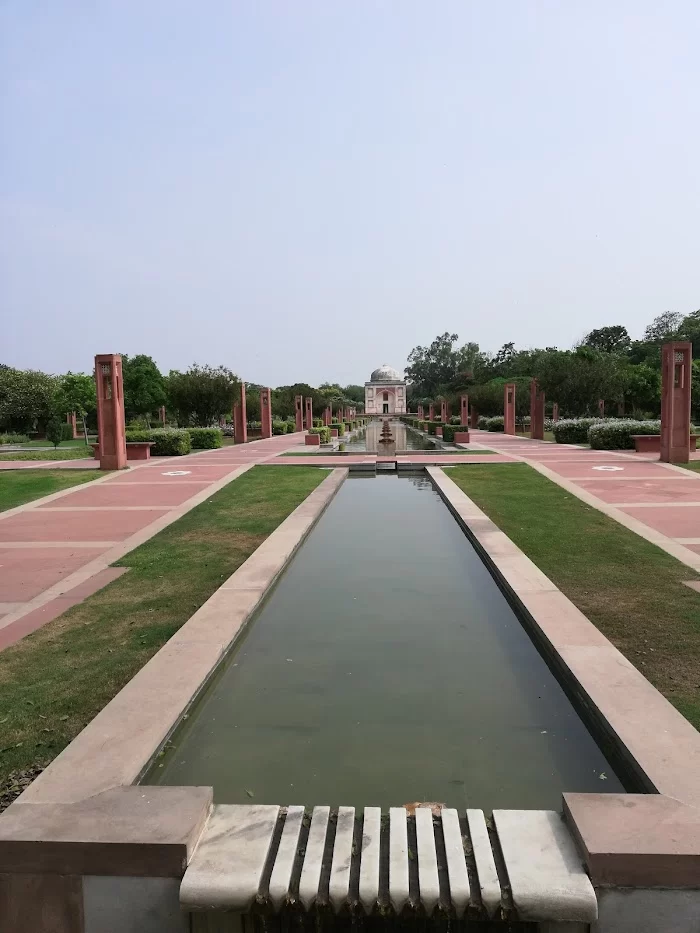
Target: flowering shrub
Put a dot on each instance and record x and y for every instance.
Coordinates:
(573, 430)
(495, 424)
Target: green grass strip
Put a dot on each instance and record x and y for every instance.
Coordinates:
(53, 682)
(629, 588)
(20, 486)
(63, 453)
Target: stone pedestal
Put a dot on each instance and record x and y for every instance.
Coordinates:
(536, 412)
(312, 440)
(111, 429)
(266, 412)
(676, 379)
(461, 437)
(240, 418)
(438, 431)
(299, 412)
(464, 409)
(509, 408)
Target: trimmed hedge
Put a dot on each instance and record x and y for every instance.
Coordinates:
(449, 430)
(206, 438)
(339, 427)
(617, 435)
(573, 430)
(14, 438)
(280, 427)
(167, 442)
(495, 424)
(324, 432)
(482, 423)
(431, 425)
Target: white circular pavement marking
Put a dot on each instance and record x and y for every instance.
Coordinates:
(176, 473)
(608, 469)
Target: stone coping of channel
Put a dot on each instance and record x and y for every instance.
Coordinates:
(660, 744)
(115, 748)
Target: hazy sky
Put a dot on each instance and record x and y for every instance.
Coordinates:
(305, 190)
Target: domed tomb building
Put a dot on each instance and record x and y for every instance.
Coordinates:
(385, 393)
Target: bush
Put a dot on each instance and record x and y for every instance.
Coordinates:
(482, 423)
(279, 427)
(573, 430)
(66, 431)
(449, 430)
(340, 428)
(206, 438)
(617, 435)
(167, 442)
(430, 427)
(14, 439)
(495, 424)
(323, 431)
(54, 431)
(318, 422)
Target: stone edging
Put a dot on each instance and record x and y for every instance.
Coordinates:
(116, 747)
(627, 839)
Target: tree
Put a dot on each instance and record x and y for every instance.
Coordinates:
(356, 394)
(643, 388)
(54, 431)
(144, 386)
(664, 327)
(440, 367)
(690, 330)
(202, 394)
(578, 379)
(26, 399)
(613, 339)
(75, 392)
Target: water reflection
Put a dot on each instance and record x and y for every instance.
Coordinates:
(404, 439)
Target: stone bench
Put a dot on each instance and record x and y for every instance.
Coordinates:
(135, 450)
(651, 443)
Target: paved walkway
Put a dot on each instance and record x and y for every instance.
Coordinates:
(658, 501)
(55, 551)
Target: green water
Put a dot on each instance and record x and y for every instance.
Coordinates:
(386, 667)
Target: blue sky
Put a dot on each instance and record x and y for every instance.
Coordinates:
(304, 190)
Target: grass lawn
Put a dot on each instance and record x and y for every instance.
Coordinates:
(629, 588)
(53, 682)
(78, 442)
(63, 453)
(20, 486)
(693, 465)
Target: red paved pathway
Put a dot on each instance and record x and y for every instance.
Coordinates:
(56, 551)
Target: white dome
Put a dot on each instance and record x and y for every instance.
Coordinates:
(385, 374)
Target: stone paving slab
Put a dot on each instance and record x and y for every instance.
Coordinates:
(675, 523)
(50, 546)
(659, 491)
(24, 572)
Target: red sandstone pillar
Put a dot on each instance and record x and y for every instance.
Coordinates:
(555, 411)
(431, 412)
(299, 412)
(161, 413)
(676, 379)
(240, 418)
(420, 413)
(536, 412)
(464, 410)
(73, 422)
(509, 408)
(309, 413)
(266, 412)
(443, 411)
(474, 419)
(601, 408)
(111, 430)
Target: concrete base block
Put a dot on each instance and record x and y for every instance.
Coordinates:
(133, 905)
(648, 910)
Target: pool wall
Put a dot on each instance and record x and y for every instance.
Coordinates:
(87, 850)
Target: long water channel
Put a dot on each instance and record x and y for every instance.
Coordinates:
(386, 667)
